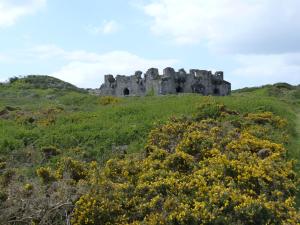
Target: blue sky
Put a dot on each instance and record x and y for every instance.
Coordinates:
(255, 42)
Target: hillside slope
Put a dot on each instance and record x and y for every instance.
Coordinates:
(41, 82)
(45, 129)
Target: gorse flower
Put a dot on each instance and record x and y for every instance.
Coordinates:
(219, 167)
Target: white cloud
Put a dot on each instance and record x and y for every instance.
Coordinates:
(2, 58)
(6, 59)
(53, 51)
(262, 36)
(12, 10)
(234, 26)
(91, 73)
(255, 70)
(87, 69)
(107, 27)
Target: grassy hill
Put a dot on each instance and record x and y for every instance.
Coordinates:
(41, 82)
(43, 120)
(69, 118)
(288, 97)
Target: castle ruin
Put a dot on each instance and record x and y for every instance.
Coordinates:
(171, 82)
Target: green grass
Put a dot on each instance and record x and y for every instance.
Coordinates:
(295, 150)
(78, 120)
(294, 146)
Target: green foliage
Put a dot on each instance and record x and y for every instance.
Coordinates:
(283, 91)
(2, 165)
(297, 94)
(43, 82)
(3, 197)
(6, 176)
(209, 110)
(50, 151)
(13, 79)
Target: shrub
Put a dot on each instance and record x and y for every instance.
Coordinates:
(74, 169)
(45, 173)
(109, 100)
(283, 86)
(27, 190)
(267, 117)
(28, 187)
(50, 151)
(297, 93)
(7, 176)
(198, 172)
(13, 79)
(180, 161)
(2, 165)
(3, 196)
(209, 109)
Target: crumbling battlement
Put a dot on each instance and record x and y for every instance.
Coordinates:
(170, 82)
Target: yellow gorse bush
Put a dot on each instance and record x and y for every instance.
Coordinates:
(218, 167)
(109, 100)
(46, 174)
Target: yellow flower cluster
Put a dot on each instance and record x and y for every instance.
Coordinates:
(267, 117)
(224, 170)
(109, 100)
(46, 174)
(69, 168)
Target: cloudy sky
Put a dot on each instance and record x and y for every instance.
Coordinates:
(254, 41)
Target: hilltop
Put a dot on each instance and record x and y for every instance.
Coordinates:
(284, 91)
(49, 126)
(40, 82)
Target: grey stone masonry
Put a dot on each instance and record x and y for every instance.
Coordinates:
(170, 82)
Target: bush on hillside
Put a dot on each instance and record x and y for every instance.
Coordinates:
(284, 86)
(13, 79)
(198, 171)
(297, 93)
(109, 100)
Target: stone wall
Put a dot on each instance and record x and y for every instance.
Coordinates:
(170, 82)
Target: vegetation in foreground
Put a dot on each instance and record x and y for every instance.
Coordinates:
(55, 144)
(218, 167)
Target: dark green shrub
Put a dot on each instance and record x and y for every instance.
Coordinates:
(7, 176)
(209, 109)
(284, 86)
(3, 196)
(13, 79)
(50, 151)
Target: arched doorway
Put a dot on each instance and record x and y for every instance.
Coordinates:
(216, 91)
(126, 91)
(179, 89)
